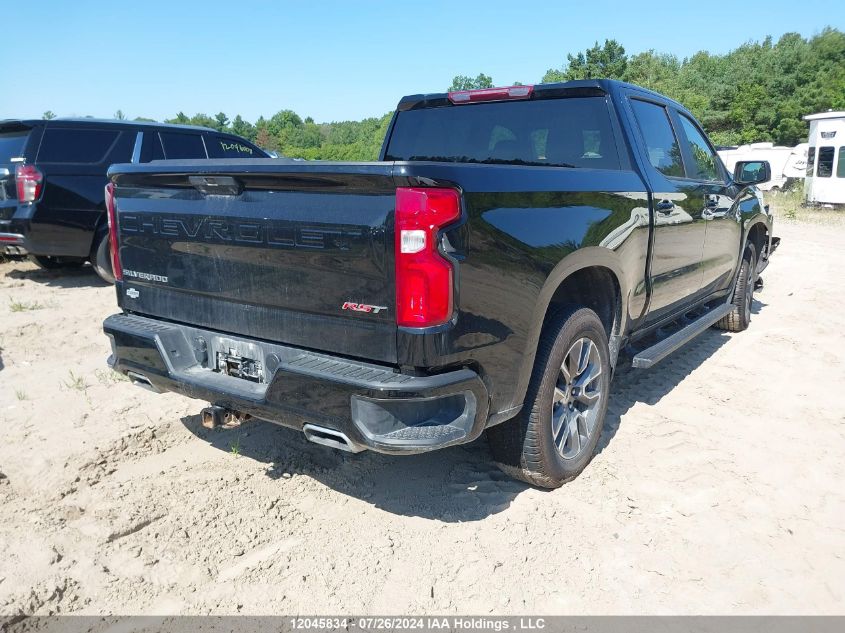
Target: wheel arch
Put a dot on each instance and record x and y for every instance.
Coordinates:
(757, 235)
(591, 277)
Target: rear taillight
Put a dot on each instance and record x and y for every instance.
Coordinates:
(423, 274)
(117, 269)
(491, 94)
(30, 181)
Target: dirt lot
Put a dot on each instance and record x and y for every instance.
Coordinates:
(718, 488)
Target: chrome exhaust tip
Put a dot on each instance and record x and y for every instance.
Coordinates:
(331, 438)
(139, 380)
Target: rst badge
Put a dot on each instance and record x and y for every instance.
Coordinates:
(362, 307)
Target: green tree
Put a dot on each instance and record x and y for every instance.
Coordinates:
(203, 120)
(119, 115)
(48, 115)
(221, 121)
(601, 61)
(463, 82)
(180, 118)
(243, 128)
(651, 69)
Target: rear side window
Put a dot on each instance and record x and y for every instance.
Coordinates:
(840, 163)
(178, 145)
(223, 147)
(151, 148)
(825, 162)
(569, 132)
(811, 160)
(661, 144)
(12, 145)
(75, 145)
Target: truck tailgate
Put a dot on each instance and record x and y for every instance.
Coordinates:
(265, 249)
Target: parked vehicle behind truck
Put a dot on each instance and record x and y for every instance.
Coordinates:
(52, 174)
(485, 273)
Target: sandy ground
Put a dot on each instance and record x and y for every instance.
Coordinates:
(718, 489)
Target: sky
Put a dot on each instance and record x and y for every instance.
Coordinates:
(335, 60)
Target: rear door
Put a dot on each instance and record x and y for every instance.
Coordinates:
(679, 226)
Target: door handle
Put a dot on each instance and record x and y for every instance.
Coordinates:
(665, 206)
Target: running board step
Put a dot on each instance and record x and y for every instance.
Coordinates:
(659, 351)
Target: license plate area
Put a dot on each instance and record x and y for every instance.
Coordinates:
(232, 363)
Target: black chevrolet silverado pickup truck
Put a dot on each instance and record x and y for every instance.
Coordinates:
(485, 273)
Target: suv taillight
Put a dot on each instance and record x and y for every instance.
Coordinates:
(423, 274)
(30, 181)
(117, 269)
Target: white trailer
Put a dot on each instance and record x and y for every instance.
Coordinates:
(825, 181)
(786, 162)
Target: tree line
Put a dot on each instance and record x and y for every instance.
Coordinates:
(756, 92)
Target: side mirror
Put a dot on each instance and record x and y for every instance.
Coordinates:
(752, 172)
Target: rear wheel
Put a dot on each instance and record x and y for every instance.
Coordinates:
(555, 435)
(101, 258)
(48, 262)
(739, 317)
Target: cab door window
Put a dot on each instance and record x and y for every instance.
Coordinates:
(703, 165)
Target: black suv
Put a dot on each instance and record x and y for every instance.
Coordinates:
(53, 174)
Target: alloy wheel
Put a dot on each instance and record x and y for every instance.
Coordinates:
(576, 399)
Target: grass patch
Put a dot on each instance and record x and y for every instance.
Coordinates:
(108, 377)
(20, 394)
(789, 206)
(235, 447)
(23, 306)
(75, 382)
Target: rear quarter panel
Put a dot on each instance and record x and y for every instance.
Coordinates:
(525, 230)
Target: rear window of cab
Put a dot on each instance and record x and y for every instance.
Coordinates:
(568, 132)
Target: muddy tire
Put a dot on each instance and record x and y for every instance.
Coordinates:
(555, 435)
(739, 317)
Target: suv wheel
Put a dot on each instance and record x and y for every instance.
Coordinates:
(48, 262)
(739, 317)
(101, 258)
(555, 435)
